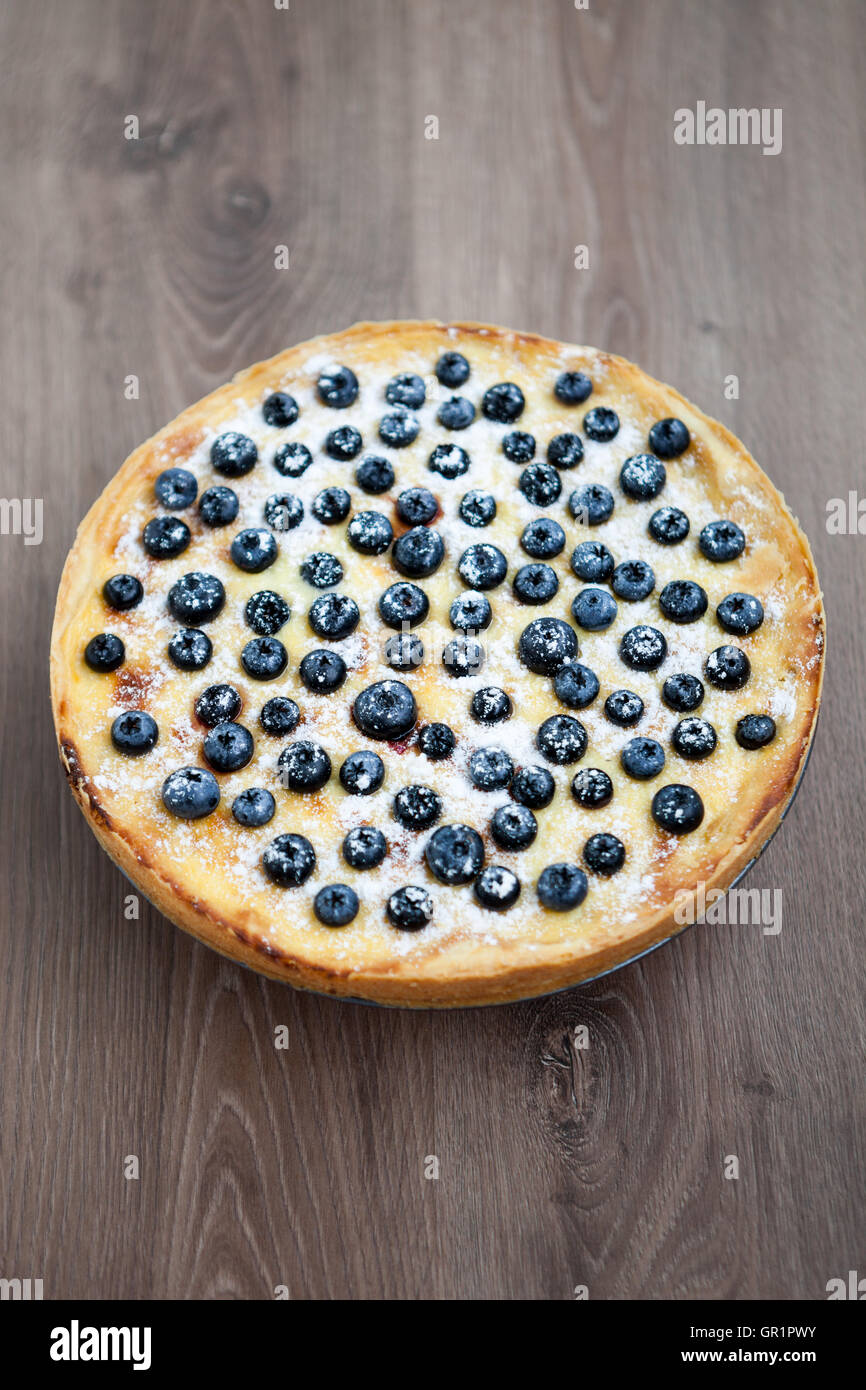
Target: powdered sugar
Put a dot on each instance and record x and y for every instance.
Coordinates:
(327, 720)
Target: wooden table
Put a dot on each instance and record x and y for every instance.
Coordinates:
(153, 258)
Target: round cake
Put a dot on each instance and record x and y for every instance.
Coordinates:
(436, 664)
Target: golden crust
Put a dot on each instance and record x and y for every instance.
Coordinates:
(201, 874)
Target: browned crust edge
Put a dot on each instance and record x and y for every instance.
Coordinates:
(499, 981)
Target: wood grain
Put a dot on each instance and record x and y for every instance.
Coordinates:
(559, 1164)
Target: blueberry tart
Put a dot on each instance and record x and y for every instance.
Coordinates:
(263, 691)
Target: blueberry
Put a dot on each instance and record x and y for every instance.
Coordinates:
(682, 692)
(322, 671)
(683, 601)
(740, 614)
(669, 438)
(755, 730)
(279, 715)
(337, 387)
(503, 403)
(677, 809)
(410, 908)
(254, 550)
(591, 504)
(122, 592)
(228, 747)
(477, 508)
(572, 388)
(533, 787)
(165, 536)
(452, 369)
(190, 793)
(196, 598)
(344, 443)
(190, 650)
(289, 860)
(266, 612)
(385, 710)
(334, 616)
(399, 428)
(490, 705)
(233, 454)
(591, 788)
(668, 526)
(449, 460)
(545, 644)
(623, 708)
(364, 847)
(374, 474)
(535, 584)
(292, 459)
(561, 739)
(370, 533)
(643, 648)
(404, 651)
(403, 603)
(217, 704)
(134, 733)
(470, 612)
(456, 414)
(436, 742)
(321, 569)
(633, 580)
(416, 506)
(642, 758)
(280, 410)
(303, 766)
(565, 450)
(561, 887)
(264, 658)
(727, 668)
(463, 656)
(455, 854)
(575, 685)
(540, 484)
(417, 807)
(543, 538)
(331, 505)
(362, 773)
(513, 826)
(694, 738)
(419, 552)
(518, 446)
(594, 609)
(601, 424)
(176, 488)
(406, 389)
(604, 854)
(490, 769)
(104, 652)
(284, 511)
(497, 888)
(592, 562)
(642, 477)
(336, 905)
(482, 566)
(218, 506)
(721, 540)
